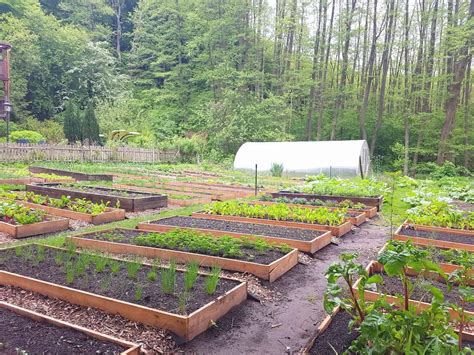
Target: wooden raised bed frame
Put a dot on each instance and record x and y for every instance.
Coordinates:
(436, 242)
(269, 272)
(75, 175)
(310, 246)
(375, 267)
(50, 225)
(130, 204)
(337, 231)
(131, 348)
(110, 215)
(187, 327)
(368, 201)
(357, 220)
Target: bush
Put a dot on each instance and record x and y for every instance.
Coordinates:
(277, 170)
(448, 169)
(26, 136)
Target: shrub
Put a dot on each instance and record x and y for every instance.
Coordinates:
(277, 170)
(28, 136)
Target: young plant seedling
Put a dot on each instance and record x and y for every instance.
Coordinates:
(212, 280)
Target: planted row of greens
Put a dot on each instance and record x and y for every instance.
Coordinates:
(16, 214)
(155, 286)
(378, 326)
(441, 214)
(314, 202)
(322, 185)
(195, 242)
(65, 202)
(279, 212)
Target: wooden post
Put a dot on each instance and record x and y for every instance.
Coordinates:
(256, 182)
(360, 168)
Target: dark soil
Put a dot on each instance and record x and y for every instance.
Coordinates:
(119, 285)
(32, 337)
(393, 286)
(266, 217)
(241, 227)
(127, 237)
(469, 344)
(409, 231)
(337, 337)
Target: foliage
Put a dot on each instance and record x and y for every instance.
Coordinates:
(90, 126)
(27, 136)
(279, 212)
(72, 123)
(16, 214)
(212, 280)
(277, 170)
(196, 242)
(441, 214)
(322, 185)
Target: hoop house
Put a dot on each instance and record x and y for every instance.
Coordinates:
(331, 158)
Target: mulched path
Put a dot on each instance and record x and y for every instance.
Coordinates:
(35, 337)
(241, 227)
(437, 235)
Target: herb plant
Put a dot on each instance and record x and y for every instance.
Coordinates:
(212, 280)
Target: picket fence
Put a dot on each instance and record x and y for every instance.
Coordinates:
(10, 152)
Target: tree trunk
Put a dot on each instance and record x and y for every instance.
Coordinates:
(385, 66)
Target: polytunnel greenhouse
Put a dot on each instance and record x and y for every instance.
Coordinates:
(331, 158)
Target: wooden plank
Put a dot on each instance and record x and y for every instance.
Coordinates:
(50, 225)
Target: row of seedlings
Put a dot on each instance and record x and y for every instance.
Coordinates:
(182, 300)
(365, 191)
(129, 200)
(65, 206)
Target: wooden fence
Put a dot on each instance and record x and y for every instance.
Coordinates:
(76, 153)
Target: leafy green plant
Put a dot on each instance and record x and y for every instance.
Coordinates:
(132, 269)
(138, 292)
(115, 266)
(191, 275)
(279, 212)
(348, 271)
(13, 213)
(277, 169)
(440, 213)
(212, 280)
(168, 278)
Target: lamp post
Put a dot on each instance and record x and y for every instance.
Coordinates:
(7, 107)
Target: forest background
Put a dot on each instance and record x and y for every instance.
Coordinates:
(206, 76)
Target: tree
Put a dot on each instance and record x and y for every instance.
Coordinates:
(90, 126)
(72, 123)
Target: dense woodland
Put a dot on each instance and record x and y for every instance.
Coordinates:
(208, 75)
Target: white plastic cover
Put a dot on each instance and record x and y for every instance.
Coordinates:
(332, 158)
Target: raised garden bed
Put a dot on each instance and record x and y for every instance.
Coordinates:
(356, 217)
(369, 201)
(268, 265)
(25, 331)
(110, 215)
(305, 240)
(436, 236)
(115, 289)
(337, 231)
(129, 200)
(392, 286)
(75, 175)
(21, 222)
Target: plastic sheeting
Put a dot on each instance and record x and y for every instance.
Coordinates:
(331, 158)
